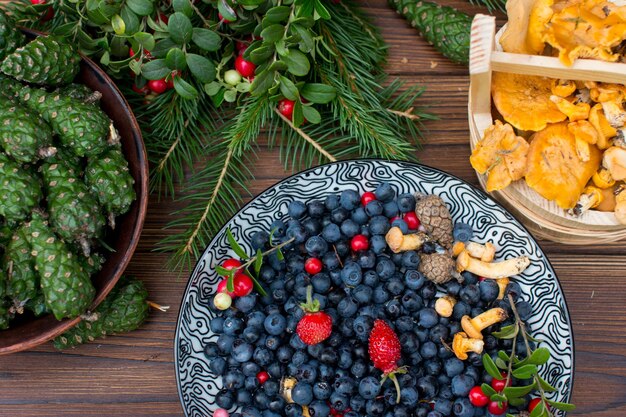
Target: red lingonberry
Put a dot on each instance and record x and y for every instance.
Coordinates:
(500, 384)
(359, 242)
(231, 263)
(477, 397)
(367, 197)
(222, 286)
(157, 86)
(163, 18)
(49, 14)
(143, 90)
(534, 403)
(495, 408)
(313, 266)
(411, 220)
(262, 377)
(243, 285)
(243, 67)
(285, 107)
(226, 21)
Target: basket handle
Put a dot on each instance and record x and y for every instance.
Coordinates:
(482, 45)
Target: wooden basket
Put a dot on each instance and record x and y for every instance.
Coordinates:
(544, 218)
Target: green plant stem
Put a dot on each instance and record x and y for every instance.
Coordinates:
(510, 368)
(522, 327)
(267, 252)
(306, 137)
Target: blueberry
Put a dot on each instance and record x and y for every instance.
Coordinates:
(284, 353)
(427, 386)
(211, 350)
(393, 308)
(312, 226)
(414, 279)
(385, 268)
(331, 261)
(470, 294)
(307, 373)
(232, 325)
(379, 225)
(370, 278)
(443, 406)
(267, 273)
(344, 385)
(439, 332)
(411, 301)
(357, 406)
(401, 224)
(374, 208)
(338, 215)
(319, 409)
(339, 402)
(380, 295)
(404, 324)
(514, 289)
(329, 356)
(378, 244)
(409, 342)
(349, 199)
(469, 278)
(463, 408)
(321, 283)
(384, 192)
(359, 216)
(390, 209)
(453, 288)
(271, 388)
(331, 233)
(217, 324)
(250, 369)
(345, 328)
(245, 304)
(331, 202)
(406, 202)
(326, 373)
(316, 208)
(428, 318)
(351, 275)
(259, 239)
(234, 378)
(342, 248)
(460, 309)
(369, 387)
(362, 294)
(252, 383)
(347, 307)
(472, 371)
(350, 228)
(296, 209)
(244, 397)
(395, 286)
(428, 350)
(262, 356)
(276, 404)
(524, 309)
(366, 259)
(225, 343)
(293, 410)
(428, 290)
(269, 413)
(316, 246)
(462, 384)
(225, 399)
(296, 343)
(453, 367)
(375, 407)
(218, 366)
(410, 259)
(359, 369)
(272, 342)
(462, 232)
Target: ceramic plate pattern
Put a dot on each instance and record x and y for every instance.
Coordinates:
(550, 319)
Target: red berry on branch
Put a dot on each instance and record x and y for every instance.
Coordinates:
(262, 377)
(226, 21)
(243, 285)
(313, 266)
(534, 403)
(49, 14)
(411, 220)
(500, 384)
(477, 397)
(231, 263)
(367, 197)
(163, 18)
(495, 408)
(143, 90)
(222, 287)
(285, 107)
(243, 67)
(157, 86)
(359, 242)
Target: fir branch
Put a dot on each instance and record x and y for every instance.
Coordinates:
(491, 5)
(306, 137)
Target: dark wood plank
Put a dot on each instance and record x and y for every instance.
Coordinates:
(133, 374)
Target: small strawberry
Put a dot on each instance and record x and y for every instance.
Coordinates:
(384, 350)
(315, 326)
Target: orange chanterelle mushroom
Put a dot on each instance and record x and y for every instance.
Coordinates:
(555, 169)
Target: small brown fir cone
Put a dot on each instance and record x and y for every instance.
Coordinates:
(435, 217)
(437, 267)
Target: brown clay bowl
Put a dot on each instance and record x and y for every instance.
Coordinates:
(30, 332)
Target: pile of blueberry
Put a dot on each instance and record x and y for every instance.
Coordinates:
(338, 248)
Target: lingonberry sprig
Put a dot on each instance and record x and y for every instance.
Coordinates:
(522, 369)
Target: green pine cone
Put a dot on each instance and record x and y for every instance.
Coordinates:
(447, 29)
(80, 92)
(38, 305)
(82, 128)
(4, 303)
(66, 286)
(19, 267)
(74, 212)
(108, 179)
(10, 37)
(46, 60)
(24, 135)
(92, 263)
(21, 190)
(124, 310)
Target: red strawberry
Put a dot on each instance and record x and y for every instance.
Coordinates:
(384, 350)
(315, 326)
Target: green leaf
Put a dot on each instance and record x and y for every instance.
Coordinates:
(273, 33)
(488, 390)
(277, 14)
(162, 47)
(539, 356)
(212, 88)
(118, 24)
(146, 40)
(243, 87)
(262, 82)
(278, 66)
(306, 37)
(288, 88)
(507, 332)
(262, 54)
(311, 114)
(218, 98)
(230, 284)
(131, 20)
(184, 89)
(226, 11)
(297, 63)
(206, 39)
(105, 58)
(175, 59)
(517, 392)
(135, 66)
(517, 402)
(318, 93)
(201, 68)
(280, 255)
(180, 28)
(235, 246)
(155, 69)
(258, 287)
(222, 271)
(502, 355)
(498, 397)
(230, 95)
(491, 367)
(539, 410)
(140, 7)
(562, 406)
(545, 385)
(183, 6)
(298, 116)
(525, 371)
(258, 262)
(321, 10)
(501, 364)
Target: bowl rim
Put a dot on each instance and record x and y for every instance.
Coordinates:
(62, 326)
(568, 319)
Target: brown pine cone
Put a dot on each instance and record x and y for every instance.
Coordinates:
(435, 216)
(437, 267)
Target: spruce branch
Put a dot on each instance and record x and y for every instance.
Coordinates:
(306, 137)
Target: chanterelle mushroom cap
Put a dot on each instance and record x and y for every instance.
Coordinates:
(474, 326)
(614, 160)
(461, 344)
(495, 270)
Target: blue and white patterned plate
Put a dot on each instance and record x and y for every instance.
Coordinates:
(550, 321)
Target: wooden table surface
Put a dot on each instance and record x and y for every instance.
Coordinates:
(133, 375)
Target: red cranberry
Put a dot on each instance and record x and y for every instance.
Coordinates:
(243, 67)
(411, 220)
(222, 286)
(313, 266)
(359, 242)
(477, 397)
(243, 285)
(367, 197)
(262, 377)
(157, 86)
(285, 107)
(495, 409)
